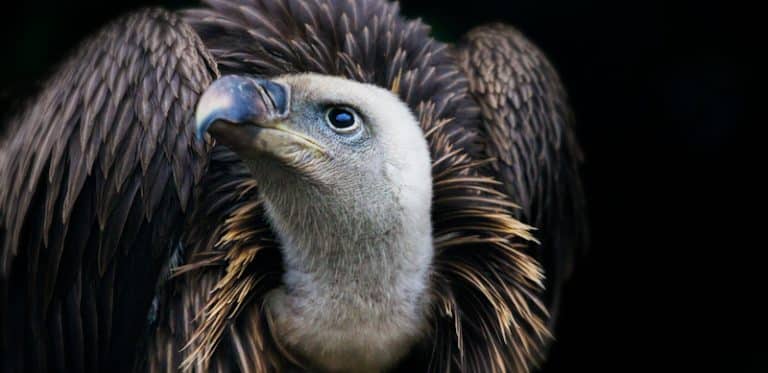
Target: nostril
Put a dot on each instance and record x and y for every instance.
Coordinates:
(279, 95)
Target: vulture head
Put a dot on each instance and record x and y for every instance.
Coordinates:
(344, 172)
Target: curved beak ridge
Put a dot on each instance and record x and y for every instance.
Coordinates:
(240, 100)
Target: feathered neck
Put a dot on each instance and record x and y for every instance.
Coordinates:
(355, 286)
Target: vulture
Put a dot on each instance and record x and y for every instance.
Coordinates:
(282, 186)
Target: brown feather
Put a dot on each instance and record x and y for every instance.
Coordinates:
(528, 124)
(82, 176)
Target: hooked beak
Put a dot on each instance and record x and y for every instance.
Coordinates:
(246, 115)
(241, 100)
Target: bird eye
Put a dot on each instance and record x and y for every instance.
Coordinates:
(342, 119)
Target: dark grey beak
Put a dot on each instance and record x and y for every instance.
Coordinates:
(241, 100)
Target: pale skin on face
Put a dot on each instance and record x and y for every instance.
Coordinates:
(352, 212)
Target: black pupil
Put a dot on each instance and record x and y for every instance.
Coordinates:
(341, 118)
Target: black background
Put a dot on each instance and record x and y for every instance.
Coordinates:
(661, 91)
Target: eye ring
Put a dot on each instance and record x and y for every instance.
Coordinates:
(342, 119)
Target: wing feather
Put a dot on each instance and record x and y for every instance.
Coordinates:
(96, 174)
(528, 130)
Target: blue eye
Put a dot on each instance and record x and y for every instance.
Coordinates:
(342, 119)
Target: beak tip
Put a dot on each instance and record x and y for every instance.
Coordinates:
(201, 127)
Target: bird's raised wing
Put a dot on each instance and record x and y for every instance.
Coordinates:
(527, 125)
(97, 174)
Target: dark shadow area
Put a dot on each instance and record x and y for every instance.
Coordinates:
(661, 93)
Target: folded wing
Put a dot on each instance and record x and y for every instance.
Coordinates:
(97, 174)
(528, 130)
